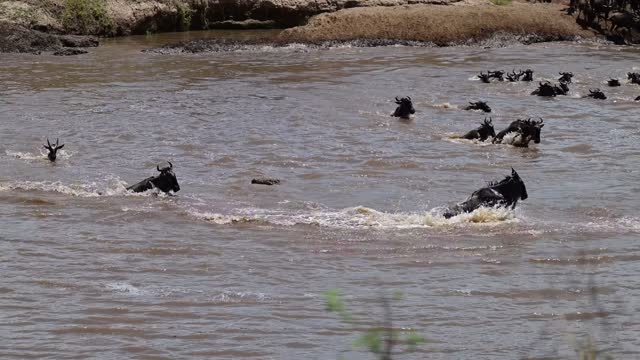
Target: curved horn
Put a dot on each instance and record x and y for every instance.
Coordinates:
(541, 121)
(57, 141)
(158, 167)
(48, 143)
(409, 97)
(397, 100)
(170, 165)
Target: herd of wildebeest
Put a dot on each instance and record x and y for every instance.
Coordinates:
(507, 192)
(620, 16)
(521, 132)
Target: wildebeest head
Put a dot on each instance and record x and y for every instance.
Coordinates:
(498, 74)
(566, 77)
(528, 75)
(545, 89)
(519, 185)
(486, 129)
(167, 180)
(534, 129)
(405, 108)
(479, 105)
(613, 82)
(53, 149)
(634, 77)
(485, 78)
(513, 76)
(597, 94)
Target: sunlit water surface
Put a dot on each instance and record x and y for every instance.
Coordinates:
(230, 270)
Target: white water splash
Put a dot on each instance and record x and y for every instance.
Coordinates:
(114, 187)
(357, 218)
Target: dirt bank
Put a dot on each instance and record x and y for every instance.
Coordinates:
(442, 25)
(472, 23)
(124, 17)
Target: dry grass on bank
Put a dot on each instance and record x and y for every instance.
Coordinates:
(441, 25)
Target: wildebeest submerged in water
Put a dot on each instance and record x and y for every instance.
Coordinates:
(405, 108)
(164, 182)
(613, 82)
(525, 132)
(483, 132)
(566, 77)
(505, 193)
(596, 94)
(478, 105)
(53, 149)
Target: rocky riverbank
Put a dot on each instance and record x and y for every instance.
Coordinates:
(35, 26)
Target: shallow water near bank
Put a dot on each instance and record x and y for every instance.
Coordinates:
(229, 270)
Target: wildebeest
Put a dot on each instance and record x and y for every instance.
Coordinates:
(563, 89)
(405, 108)
(513, 76)
(525, 132)
(485, 78)
(566, 77)
(634, 77)
(53, 149)
(505, 193)
(545, 89)
(613, 82)
(637, 99)
(528, 75)
(478, 105)
(498, 74)
(596, 94)
(164, 182)
(622, 20)
(483, 132)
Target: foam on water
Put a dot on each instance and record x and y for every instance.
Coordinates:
(358, 217)
(114, 187)
(40, 155)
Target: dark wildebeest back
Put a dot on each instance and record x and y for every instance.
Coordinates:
(526, 130)
(164, 182)
(505, 193)
(478, 105)
(566, 77)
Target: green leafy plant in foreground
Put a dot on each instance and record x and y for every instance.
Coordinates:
(501, 2)
(380, 340)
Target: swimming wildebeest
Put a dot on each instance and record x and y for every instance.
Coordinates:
(478, 105)
(485, 78)
(525, 132)
(505, 193)
(528, 75)
(164, 182)
(513, 76)
(483, 132)
(545, 89)
(405, 108)
(637, 99)
(498, 74)
(566, 77)
(634, 77)
(596, 94)
(613, 82)
(53, 149)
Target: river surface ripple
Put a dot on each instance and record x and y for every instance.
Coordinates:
(230, 270)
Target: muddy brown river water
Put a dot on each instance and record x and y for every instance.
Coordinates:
(230, 270)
